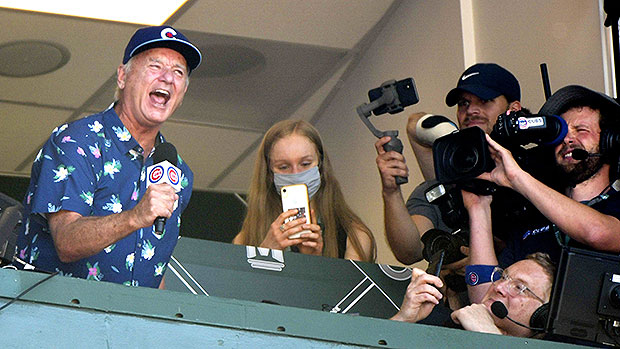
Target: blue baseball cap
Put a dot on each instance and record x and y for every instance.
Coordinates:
(163, 36)
(487, 81)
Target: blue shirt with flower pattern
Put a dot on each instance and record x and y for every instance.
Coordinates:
(94, 167)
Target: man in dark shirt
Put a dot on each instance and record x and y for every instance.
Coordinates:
(587, 212)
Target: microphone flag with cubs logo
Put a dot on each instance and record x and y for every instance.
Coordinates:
(164, 170)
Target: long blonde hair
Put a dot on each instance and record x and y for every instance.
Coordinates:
(264, 204)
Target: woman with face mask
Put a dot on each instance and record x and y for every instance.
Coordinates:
(292, 153)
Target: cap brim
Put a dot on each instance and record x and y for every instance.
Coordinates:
(480, 91)
(557, 103)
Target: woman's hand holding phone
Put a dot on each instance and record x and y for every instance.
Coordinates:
(280, 231)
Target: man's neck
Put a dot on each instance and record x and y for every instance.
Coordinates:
(591, 187)
(143, 135)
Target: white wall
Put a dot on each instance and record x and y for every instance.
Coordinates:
(424, 40)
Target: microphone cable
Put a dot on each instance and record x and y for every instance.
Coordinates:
(24, 292)
(499, 309)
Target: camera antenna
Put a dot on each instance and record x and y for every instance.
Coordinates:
(545, 80)
(389, 97)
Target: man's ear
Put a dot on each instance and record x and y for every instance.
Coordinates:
(120, 76)
(514, 106)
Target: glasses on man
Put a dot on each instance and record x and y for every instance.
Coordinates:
(515, 288)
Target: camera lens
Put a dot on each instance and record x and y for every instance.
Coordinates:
(464, 158)
(614, 297)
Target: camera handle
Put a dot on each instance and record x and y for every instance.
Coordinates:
(364, 112)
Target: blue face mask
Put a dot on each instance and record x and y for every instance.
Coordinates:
(311, 178)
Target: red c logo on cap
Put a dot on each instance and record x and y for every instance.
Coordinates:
(168, 33)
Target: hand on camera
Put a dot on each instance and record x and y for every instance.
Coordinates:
(506, 168)
(472, 201)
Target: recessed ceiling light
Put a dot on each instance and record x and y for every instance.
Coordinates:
(21, 59)
(227, 60)
(150, 12)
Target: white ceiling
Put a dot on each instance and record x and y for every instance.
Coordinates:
(262, 61)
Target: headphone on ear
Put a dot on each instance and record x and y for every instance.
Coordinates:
(538, 320)
(609, 143)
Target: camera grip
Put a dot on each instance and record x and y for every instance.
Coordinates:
(396, 145)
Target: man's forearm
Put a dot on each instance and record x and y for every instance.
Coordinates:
(77, 237)
(402, 234)
(481, 248)
(577, 220)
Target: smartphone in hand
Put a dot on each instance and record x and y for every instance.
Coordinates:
(436, 262)
(296, 197)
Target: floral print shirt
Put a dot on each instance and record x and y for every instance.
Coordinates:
(94, 167)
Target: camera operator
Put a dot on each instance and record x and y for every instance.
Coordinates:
(587, 213)
(483, 92)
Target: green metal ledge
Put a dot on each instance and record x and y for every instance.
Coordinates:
(66, 312)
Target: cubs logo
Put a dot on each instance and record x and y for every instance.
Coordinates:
(173, 176)
(156, 174)
(473, 278)
(168, 33)
(522, 123)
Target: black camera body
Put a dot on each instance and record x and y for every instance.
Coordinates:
(461, 155)
(464, 154)
(437, 240)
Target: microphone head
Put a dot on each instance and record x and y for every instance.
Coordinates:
(499, 309)
(165, 151)
(580, 154)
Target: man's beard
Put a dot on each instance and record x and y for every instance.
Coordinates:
(583, 170)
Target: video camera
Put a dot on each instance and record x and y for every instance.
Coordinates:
(463, 155)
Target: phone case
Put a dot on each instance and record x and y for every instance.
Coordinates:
(296, 197)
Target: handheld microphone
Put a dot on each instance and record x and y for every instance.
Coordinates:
(580, 154)
(164, 170)
(499, 309)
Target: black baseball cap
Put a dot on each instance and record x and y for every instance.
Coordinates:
(487, 81)
(575, 95)
(163, 36)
